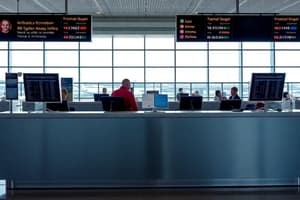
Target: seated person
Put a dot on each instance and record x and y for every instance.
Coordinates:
(196, 93)
(63, 106)
(180, 94)
(129, 99)
(234, 94)
(219, 96)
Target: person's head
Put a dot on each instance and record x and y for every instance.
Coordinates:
(104, 90)
(5, 26)
(180, 90)
(234, 91)
(126, 83)
(218, 93)
(286, 95)
(196, 93)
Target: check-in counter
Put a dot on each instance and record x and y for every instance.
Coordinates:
(149, 149)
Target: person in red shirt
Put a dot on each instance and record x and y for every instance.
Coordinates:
(129, 99)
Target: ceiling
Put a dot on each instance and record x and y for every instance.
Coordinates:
(151, 8)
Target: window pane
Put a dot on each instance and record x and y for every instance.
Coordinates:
(287, 45)
(98, 42)
(224, 75)
(247, 72)
(256, 58)
(95, 58)
(191, 58)
(26, 45)
(287, 58)
(27, 58)
(191, 75)
(160, 58)
(2, 75)
(292, 74)
(256, 45)
(129, 42)
(65, 72)
(224, 58)
(191, 45)
(159, 75)
(61, 45)
(129, 58)
(3, 45)
(27, 70)
(96, 74)
(224, 45)
(4, 58)
(61, 58)
(133, 74)
(160, 42)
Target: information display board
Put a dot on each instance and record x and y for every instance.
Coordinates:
(237, 28)
(11, 86)
(45, 27)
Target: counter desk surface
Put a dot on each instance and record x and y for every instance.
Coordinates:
(149, 149)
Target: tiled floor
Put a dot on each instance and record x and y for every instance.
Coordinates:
(272, 193)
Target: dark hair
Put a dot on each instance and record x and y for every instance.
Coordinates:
(217, 92)
(234, 89)
(180, 89)
(285, 95)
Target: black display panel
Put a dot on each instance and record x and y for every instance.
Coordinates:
(41, 87)
(267, 86)
(45, 27)
(237, 28)
(11, 85)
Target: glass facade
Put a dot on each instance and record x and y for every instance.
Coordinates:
(153, 62)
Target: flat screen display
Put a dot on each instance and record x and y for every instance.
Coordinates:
(42, 87)
(212, 27)
(22, 27)
(11, 83)
(267, 86)
(161, 101)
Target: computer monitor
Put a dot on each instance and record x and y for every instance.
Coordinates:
(42, 87)
(231, 104)
(161, 101)
(98, 97)
(110, 103)
(190, 103)
(152, 91)
(267, 86)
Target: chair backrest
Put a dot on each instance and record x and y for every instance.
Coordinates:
(190, 103)
(113, 103)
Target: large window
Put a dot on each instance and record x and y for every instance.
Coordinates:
(153, 62)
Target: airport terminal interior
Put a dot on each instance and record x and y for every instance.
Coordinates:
(214, 83)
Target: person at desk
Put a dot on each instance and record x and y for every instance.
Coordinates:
(129, 99)
(104, 90)
(234, 94)
(219, 96)
(196, 93)
(180, 94)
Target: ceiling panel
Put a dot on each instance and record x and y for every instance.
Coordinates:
(112, 8)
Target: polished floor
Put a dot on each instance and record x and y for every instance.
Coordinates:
(258, 193)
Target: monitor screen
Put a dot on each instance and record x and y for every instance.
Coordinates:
(11, 85)
(152, 92)
(98, 97)
(267, 86)
(161, 101)
(231, 104)
(41, 87)
(190, 103)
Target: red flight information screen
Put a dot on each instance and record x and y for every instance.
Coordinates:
(237, 28)
(45, 28)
